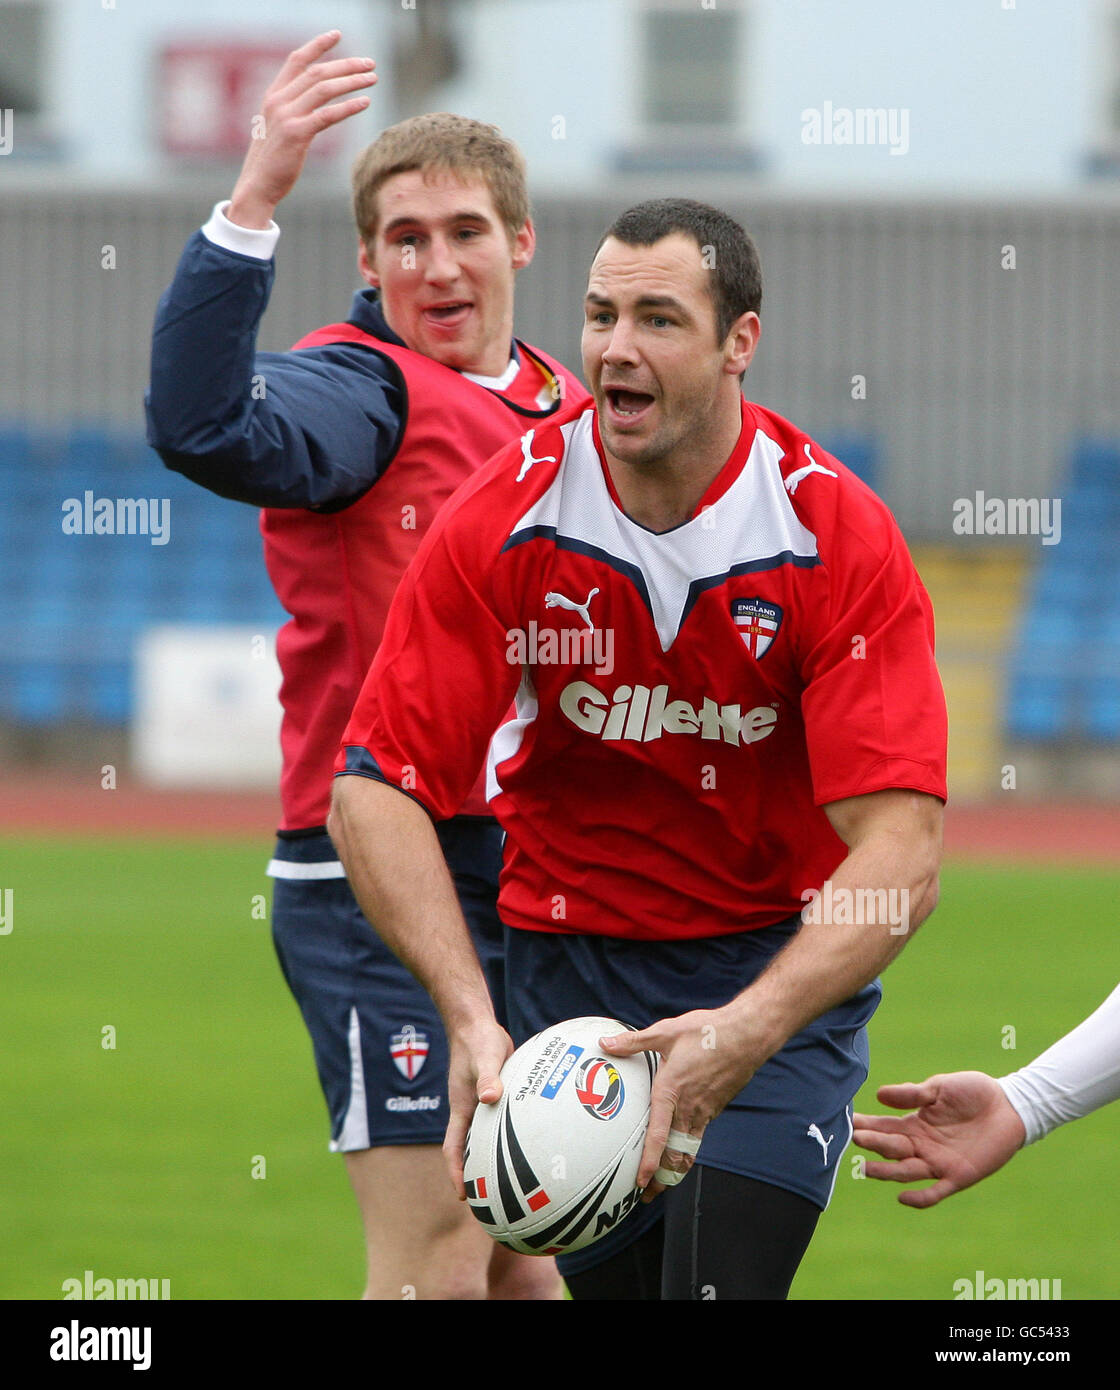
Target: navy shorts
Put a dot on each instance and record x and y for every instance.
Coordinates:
(788, 1126)
(379, 1044)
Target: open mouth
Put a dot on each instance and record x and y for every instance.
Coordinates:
(627, 405)
(448, 315)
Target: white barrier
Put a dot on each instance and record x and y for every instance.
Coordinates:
(207, 712)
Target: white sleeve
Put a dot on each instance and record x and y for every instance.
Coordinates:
(259, 242)
(1080, 1073)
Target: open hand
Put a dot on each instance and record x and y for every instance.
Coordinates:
(963, 1129)
(297, 106)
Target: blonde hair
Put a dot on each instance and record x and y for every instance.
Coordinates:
(440, 140)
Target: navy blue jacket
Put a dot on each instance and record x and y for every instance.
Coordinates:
(313, 428)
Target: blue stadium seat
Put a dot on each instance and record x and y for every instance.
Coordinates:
(1102, 680)
(1102, 712)
(15, 452)
(111, 692)
(77, 602)
(1042, 690)
(1065, 667)
(40, 693)
(858, 452)
(88, 452)
(1055, 585)
(9, 676)
(1089, 522)
(1096, 461)
(1081, 547)
(1039, 707)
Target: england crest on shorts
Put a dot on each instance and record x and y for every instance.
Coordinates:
(408, 1049)
(758, 622)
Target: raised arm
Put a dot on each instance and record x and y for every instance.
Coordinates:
(273, 429)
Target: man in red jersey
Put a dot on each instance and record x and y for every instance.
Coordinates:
(719, 835)
(350, 448)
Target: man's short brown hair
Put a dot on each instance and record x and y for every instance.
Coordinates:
(440, 140)
(736, 281)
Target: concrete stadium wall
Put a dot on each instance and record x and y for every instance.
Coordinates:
(977, 376)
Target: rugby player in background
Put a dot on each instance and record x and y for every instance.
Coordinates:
(358, 436)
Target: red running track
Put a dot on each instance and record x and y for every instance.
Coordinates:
(1054, 832)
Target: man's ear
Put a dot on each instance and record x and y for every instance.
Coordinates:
(367, 272)
(524, 244)
(741, 342)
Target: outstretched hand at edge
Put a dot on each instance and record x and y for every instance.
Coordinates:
(963, 1129)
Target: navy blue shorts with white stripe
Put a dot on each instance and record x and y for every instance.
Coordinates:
(378, 1041)
(789, 1126)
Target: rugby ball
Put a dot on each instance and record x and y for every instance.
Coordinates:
(552, 1165)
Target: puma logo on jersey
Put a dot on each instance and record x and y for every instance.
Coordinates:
(641, 714)
(801, 473)
(553, 600)
(814, 1133)
(527, 459)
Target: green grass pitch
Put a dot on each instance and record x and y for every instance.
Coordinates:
(137, 1160)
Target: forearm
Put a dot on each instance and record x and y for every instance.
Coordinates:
(858, 923)
(392, 857)
(1078, 1074)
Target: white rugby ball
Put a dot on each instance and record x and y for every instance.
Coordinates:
(552, 1165)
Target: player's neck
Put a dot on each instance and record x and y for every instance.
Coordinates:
(493, 360)
(664, 493)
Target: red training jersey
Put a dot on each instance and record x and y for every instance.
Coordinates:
(686, 702)
(336, 571)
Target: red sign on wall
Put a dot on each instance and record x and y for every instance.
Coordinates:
(209, 93)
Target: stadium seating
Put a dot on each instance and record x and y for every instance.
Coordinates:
(1065, 665)
(860, 453)
(71, 606)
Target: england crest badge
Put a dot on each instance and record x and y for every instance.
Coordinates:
(758, 622)
(408, 1049)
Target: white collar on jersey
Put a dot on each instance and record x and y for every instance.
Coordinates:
(496, 383)
(751, 527)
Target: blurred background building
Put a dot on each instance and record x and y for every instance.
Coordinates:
(935, 192)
